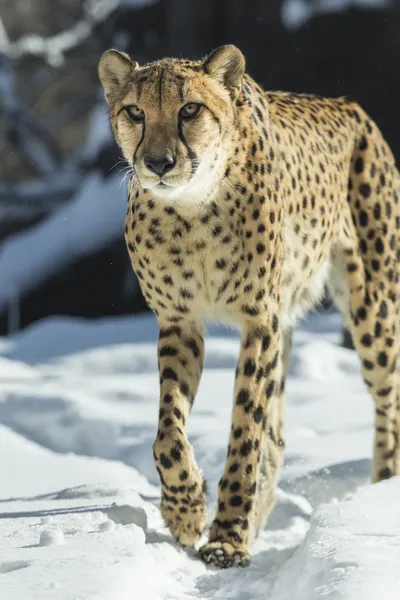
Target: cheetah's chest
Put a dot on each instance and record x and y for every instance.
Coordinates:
(196, 276)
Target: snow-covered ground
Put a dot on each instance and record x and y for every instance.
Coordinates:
(79, 493)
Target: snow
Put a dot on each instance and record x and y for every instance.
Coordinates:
(296, 13)
(51, 537)
(91, 220)
(79, 493)
(99, 133)
(352, 549)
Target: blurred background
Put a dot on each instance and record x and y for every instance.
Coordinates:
(62, 187)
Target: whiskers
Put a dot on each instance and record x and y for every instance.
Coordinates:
(224, 182)
(121, 162)
(129, 173)
(133, 181)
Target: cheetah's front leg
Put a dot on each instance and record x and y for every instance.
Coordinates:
(257, 376)
(183, 500)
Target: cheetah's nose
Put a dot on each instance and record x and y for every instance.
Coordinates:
(159, 165)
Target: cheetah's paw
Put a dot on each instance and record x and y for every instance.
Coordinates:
(223, 555)
(186, 523)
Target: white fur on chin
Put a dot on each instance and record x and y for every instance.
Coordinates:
(201, 189)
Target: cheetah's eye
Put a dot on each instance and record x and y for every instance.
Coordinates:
(190, 110)
(134, 112)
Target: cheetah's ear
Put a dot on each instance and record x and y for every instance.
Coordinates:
(227, 65)
(114, 70)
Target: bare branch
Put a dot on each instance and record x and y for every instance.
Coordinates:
(53, 48)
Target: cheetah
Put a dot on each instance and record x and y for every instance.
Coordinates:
(242, 206)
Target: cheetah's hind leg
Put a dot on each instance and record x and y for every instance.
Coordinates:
(367, 262)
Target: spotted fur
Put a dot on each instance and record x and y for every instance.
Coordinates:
(270, 197)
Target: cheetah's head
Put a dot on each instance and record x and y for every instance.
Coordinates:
(173, 118)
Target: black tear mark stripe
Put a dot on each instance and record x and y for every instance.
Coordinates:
(140, 141)
(192, 155)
